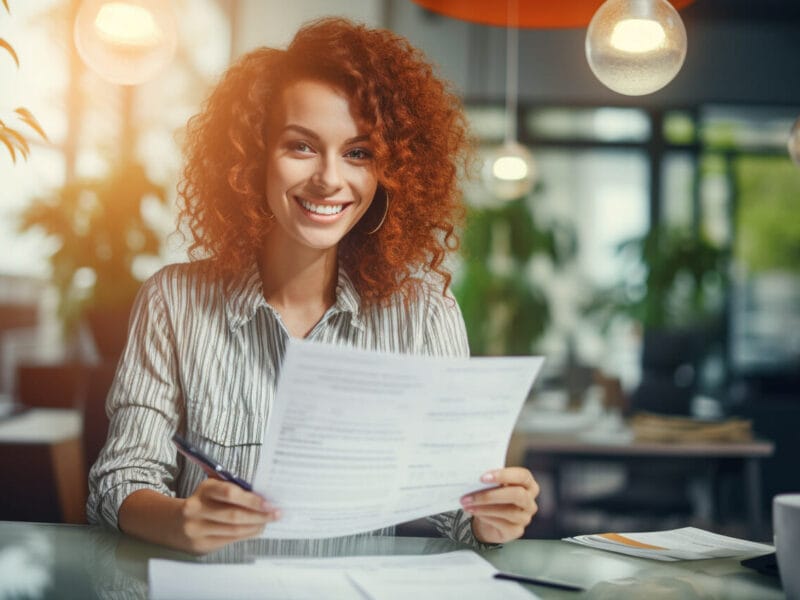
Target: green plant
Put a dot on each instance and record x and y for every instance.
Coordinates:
(100, 230)
(683, 286)
(13, 139)
(505, 311)
(768, 239)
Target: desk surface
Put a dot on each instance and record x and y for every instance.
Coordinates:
(563, 444)
(77, 561)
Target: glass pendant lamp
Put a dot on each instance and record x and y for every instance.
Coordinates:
(509, 171)
(793, 144)
(126, 41)
(636, 47)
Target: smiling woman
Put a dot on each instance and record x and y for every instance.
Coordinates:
(417, 138)
(321, 195)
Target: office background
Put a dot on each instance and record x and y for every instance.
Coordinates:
(654, 262)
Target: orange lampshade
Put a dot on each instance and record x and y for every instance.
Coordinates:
(532, 13)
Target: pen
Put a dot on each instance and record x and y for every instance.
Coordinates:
(538, 581)
(208, 464)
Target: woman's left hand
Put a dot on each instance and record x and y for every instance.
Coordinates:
(501, 514)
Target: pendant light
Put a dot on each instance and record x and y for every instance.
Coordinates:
(509, 171)
(793, 144)
(636, 47)
(126, 41)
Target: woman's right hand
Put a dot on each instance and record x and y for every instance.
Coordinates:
(216, 514)
(219, 512)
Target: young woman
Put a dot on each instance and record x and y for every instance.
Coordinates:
(321, 195)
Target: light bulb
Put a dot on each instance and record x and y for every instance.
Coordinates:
(636, 47)
(125, 41)
(509, 171)
(637, 36)
(794, 142)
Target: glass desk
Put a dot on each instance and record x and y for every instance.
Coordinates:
(78, 561)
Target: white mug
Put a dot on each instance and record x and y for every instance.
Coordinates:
(786, 526)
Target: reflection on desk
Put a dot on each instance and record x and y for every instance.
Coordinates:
(69, 561)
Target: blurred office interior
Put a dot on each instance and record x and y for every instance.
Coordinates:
(654, 262)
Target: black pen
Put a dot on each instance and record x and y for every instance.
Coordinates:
(538, 581)
(208, 464)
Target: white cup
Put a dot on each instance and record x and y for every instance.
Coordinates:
(786, 525)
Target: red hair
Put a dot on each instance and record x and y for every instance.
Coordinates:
(417, 128)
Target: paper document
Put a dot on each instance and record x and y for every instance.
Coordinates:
(687, 543)
(461, 575)
(177, 580)
(359, 440)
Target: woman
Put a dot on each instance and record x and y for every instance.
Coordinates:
(320, 191)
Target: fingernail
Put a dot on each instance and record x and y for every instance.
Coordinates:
(467, 500)
(265, 506)
(277, 515)
(486, 477)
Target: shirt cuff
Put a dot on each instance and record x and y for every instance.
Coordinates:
(457, 525)
(106, 510)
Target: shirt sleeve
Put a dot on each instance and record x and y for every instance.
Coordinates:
(446, 335)
(144, 408)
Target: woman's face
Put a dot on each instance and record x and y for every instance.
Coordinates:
(320, 176)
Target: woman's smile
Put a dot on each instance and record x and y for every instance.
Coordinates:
(327, 209)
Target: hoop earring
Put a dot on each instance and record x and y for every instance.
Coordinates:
(385, 212)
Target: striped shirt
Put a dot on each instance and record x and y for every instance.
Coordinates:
(203, 358)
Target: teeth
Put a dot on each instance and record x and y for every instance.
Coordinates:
(325, 209)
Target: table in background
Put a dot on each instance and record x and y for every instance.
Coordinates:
(42, 461)
(551, 452)
(78, 561)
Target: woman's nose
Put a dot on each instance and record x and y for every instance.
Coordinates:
(328, 175)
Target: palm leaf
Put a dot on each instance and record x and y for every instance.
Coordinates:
(8, 145)
(19, 141)
(31, 121)
(4, 44)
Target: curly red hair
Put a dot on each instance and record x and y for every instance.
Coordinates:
(417, 128)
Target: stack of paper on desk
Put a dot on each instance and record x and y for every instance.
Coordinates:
(688, 543)
(359, 440)
(461, 575)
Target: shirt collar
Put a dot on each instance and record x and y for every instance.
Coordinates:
(348, 300)
(245, 296)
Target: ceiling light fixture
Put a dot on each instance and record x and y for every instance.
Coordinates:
(509, 171)
(636, 47)
(793, 144)
(126, 41)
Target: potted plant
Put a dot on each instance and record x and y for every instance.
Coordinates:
(505, 311)
(679, 307)
(100, 231)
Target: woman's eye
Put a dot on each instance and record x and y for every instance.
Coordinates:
(300, 147)
(358, 154)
